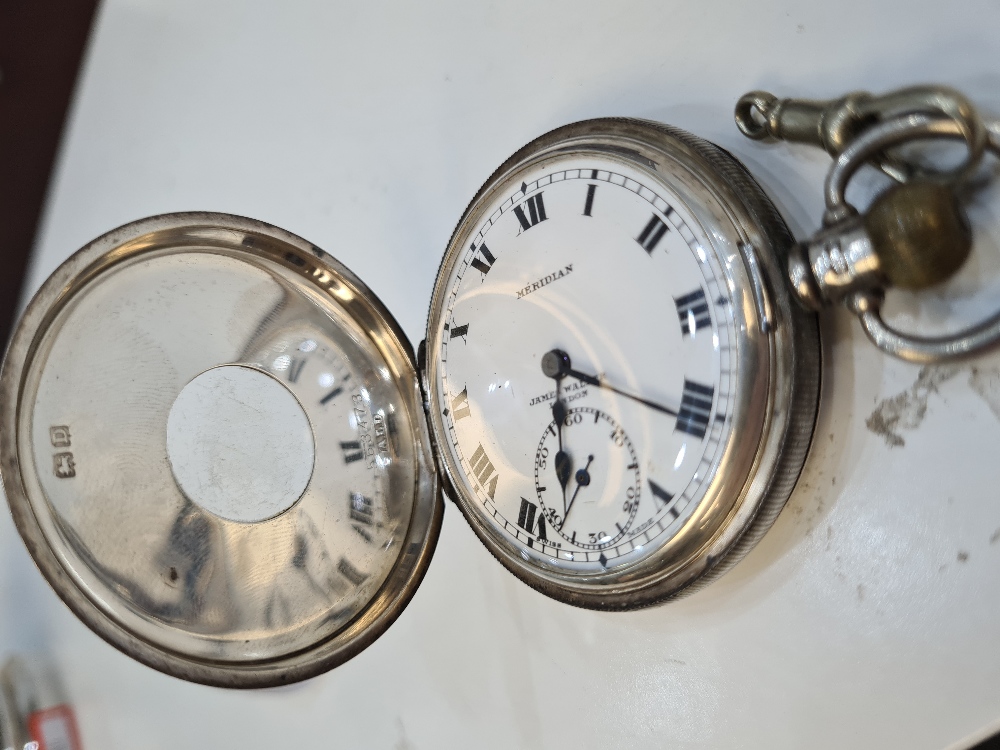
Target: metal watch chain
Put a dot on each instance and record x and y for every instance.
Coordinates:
(914, 235)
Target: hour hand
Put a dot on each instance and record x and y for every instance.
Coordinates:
(564, 468)
(559, 415)
(564, 464)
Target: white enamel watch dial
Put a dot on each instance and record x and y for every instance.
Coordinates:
(214, 445)
(619, 388)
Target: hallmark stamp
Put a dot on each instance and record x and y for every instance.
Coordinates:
(59, 435)
(63, 465)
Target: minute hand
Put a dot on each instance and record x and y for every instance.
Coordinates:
(601, 383)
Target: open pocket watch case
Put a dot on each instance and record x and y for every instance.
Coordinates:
(223, 454)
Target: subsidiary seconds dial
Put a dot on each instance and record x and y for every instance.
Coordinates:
(586, 478)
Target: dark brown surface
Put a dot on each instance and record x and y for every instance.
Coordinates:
(41, 47)
(993, 743)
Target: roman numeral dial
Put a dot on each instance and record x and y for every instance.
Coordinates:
(651, 234)
(531, 212)
(692, 310)
(484, 263)
(526, 520)
(351, 450)
(483, 471)
(588, 206)
(595, 459)
(460, 405)
(696, 409)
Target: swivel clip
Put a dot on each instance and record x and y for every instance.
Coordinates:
(914, 235)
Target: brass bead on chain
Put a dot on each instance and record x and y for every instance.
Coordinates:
(920, 233)
(914, 235)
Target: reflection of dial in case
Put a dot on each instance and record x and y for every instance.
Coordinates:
(350, 428)
(293, 509)
(601, 495)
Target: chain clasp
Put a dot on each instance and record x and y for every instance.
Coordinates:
(914, 235)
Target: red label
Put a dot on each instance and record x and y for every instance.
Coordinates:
(54, 729)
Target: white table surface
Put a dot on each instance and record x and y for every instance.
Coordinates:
(869, 616)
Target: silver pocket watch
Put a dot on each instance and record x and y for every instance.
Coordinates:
(227, 459)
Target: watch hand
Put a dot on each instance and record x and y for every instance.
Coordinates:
(560, 366)
(582, 480)
(564, 464)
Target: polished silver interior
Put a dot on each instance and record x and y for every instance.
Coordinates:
(275, 583)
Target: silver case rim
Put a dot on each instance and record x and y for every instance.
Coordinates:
(425, 525)
(793, 350)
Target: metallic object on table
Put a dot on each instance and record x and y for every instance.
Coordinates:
(93, 481)
(835, 124)
(914, 235)
(7, 721)
(34, 711)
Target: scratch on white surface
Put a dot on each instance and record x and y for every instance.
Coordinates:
(403, 743)
(906, 410)
(985, 381)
